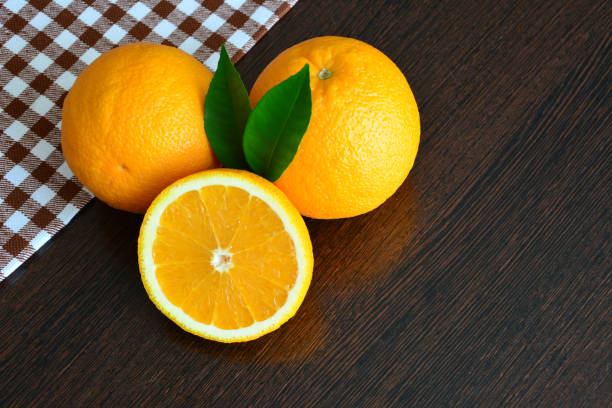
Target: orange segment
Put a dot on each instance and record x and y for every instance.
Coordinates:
(263, 296)
(258, 225)
(186, 221)
(225, 255)
(272, 259)
(231, 312)
(201, 301)
(225, 207)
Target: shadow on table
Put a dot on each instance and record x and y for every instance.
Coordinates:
(357, 251)
(297, 340)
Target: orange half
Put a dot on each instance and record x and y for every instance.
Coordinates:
(225, 255)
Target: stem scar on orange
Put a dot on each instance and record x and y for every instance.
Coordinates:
(364, 130)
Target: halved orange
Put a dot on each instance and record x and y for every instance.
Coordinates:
(225, 255)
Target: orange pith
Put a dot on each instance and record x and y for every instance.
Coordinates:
(243, 237)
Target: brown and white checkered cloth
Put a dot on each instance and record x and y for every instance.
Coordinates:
(44, 45)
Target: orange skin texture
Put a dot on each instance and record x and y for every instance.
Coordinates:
(133, 123)
(364, 130)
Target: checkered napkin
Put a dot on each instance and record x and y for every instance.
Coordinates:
(44, 45)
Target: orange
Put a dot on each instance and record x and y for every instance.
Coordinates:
(133, 123)
(364, 131)
(225, 255)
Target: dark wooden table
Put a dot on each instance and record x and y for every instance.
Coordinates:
(485, 281)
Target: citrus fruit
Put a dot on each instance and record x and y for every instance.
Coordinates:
(364, 130)
(225, 255)
(133, 123)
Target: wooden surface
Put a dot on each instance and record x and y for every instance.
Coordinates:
(485, 281)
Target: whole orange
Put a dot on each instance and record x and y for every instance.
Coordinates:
(364, 130)
(133, 123)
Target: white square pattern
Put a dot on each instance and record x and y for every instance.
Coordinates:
(14, 5)
(212, 61)
(40, 21)
(42, 105)
(235, 3)
(15, 86)
(65, 39)
(188, 6)
(16, 130)
(41, 62)
(15, 44)
(138, 11)
(67, 213)
(43, 195)
(213, 22)
(164, 28)
(66, 80)
(42, 150)
(89, 56)
(89, 16)
(262, 15)
(115, 34)
(16, 175)
(16, 221)
(190, 45)
(239, 38)
(65, 171)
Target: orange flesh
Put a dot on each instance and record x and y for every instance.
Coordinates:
(260, 270)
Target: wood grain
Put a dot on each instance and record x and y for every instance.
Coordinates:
(484, 281)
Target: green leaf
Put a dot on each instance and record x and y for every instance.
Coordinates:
(277, 124)
(226, 111)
